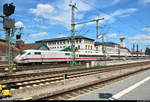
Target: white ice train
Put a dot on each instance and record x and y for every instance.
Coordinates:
(42, 56)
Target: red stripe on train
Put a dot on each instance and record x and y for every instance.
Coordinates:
(56, 58)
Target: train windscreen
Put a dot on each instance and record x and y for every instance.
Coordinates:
(21, 53)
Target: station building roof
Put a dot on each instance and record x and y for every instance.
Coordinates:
(31, 46)
(111, 44)
(2, 40)
(3, 48)
(139, 52)
(64, 38)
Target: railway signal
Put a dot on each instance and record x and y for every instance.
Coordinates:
(8, 9)
(9, 27)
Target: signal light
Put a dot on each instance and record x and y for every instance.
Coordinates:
(8, 9)
(18, 36)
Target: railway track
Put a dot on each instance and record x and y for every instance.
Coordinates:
(35, 67)
(58, 78)
(73, 92)
(12, 78)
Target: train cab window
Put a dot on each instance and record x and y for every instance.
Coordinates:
(21, 53)
(37, 53)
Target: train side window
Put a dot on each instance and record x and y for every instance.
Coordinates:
(37, 53)
(67, 53)
(29, 53)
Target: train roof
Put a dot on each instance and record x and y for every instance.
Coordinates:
(65, 38)
(30, 50)
(41, 50)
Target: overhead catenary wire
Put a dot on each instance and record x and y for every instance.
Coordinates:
(96, 14)
(111, 15)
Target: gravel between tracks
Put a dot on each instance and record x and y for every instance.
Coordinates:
(49, 88)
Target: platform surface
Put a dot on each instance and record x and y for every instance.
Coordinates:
(136, 87)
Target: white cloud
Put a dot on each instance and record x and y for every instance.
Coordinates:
(61, 35)
(38, 27)
(141, 38)
(124, 11)
(38, 19)
(39, 35)
(83, 6)
(146, 29)
(145, 2)
(115, 2)
(107, 3)
(42, 10)
(118, 13)
(57, 14)
(113, 35)
(19, 24)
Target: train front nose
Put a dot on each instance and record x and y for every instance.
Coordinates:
(17, 59)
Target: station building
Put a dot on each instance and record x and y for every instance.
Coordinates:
(87, 45)
(110, 48)
(82, 44)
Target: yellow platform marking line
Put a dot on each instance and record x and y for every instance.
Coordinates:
(27, 98)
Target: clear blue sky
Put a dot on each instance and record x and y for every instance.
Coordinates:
(46, 19)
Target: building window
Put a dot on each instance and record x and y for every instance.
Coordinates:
(91, 47)
(79, 40)
(60, 46)
(96, 48)
(76, 41)
(68, 41)
(63, 42)
(85, 46)
(63, 46)
(78, 46)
